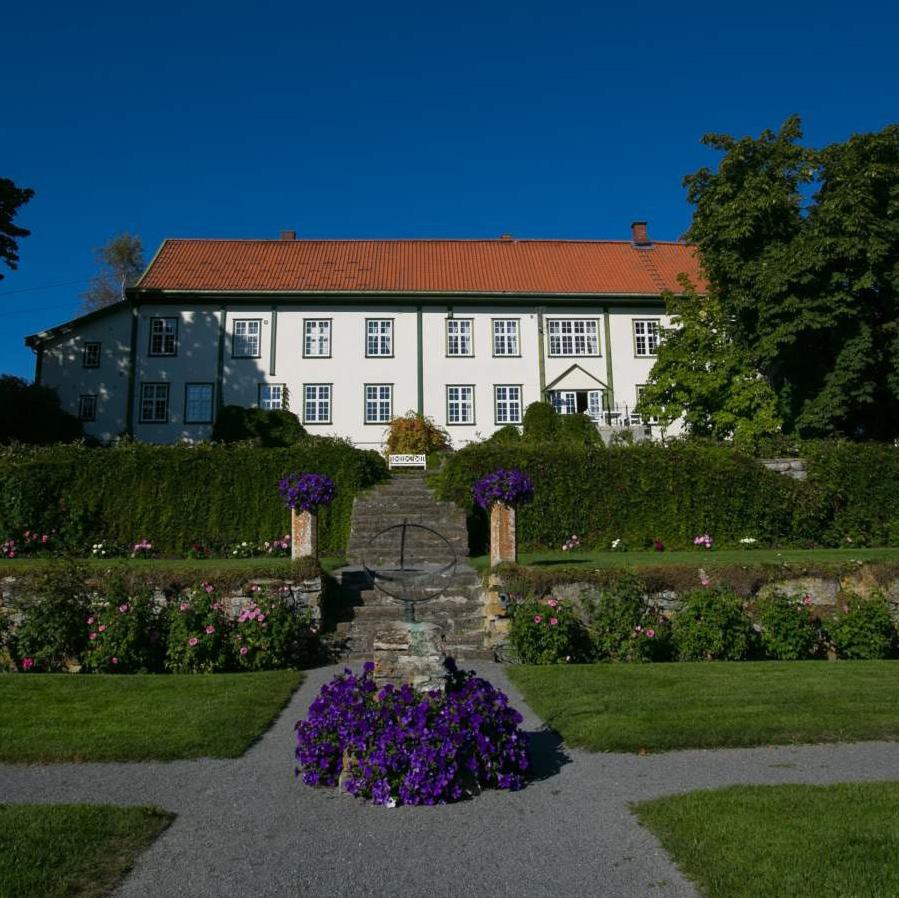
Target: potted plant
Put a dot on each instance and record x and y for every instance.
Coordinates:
(501, 493)
(304, 495)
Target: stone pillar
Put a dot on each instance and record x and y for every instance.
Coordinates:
(303, 534)
(503, 540)
(409, 653)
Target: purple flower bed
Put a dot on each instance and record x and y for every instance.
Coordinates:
(513, 487)
(399, 746)
(306, 492)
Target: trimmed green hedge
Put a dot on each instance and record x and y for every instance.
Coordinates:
(673, 493)
(174, 495)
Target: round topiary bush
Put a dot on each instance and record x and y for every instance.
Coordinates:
(540, 423)
(400, 746)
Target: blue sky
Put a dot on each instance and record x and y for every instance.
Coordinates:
(397, 119)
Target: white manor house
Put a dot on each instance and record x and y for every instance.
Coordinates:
(348, 333)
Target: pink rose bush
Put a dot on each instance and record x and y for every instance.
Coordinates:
(546, 631)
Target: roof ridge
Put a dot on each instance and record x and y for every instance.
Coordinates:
(491, 240)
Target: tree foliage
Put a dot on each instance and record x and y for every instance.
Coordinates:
(266, 427)
(800, 248)
(707, 377)
(11, 198)
(120, 262)
(31, 414)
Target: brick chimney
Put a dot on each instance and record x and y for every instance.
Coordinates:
(288, 235)
(639, 235)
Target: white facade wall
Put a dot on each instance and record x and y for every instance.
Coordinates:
(282, 361)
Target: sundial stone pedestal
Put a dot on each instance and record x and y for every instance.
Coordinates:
(409, 652)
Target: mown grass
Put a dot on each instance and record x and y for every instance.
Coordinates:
(662, 707)
(71, 851)
(202, 566)
(839, 841)
(697, 558)
(97, 717)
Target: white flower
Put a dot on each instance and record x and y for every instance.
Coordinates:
(390, 803)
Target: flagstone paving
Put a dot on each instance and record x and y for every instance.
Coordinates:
(246, 827)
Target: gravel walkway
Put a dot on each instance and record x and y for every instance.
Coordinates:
(245, 827)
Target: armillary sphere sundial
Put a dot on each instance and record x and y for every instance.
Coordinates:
(410, 563)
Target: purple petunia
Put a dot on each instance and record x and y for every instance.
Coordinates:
(306, 492)
(400, 746)
(512, 487)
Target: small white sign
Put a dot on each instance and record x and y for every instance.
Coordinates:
(407, 461)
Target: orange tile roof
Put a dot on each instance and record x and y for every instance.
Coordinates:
(566, 267)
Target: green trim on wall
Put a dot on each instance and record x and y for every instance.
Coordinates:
(541, 359)
(607, 336)
(132, 366)
(419, 322)
(273, 342)
(220, 364)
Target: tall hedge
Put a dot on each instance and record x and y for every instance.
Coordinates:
(174, 495)
(639, 493)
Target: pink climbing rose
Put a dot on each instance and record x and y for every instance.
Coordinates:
(192, 641)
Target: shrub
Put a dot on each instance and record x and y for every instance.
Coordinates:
(265, 427)
(125, 635)
(508, 433)
(30, 413)
(177, 496)
(546, 632)
(52, 634)
(540, 423)
(579, 430)
(788, 631)
(636, 493)
(862, 628)
(399, 746)
(711, 626)
(624, 625)
(197, 639)
(414, 434)
(270, 633)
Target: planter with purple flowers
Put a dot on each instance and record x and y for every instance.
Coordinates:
(501, 493)
(304, 495)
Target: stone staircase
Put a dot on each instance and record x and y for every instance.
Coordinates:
(405, 497)
(459, 608)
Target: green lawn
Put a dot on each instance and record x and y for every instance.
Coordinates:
(661, 707)
(837, 841)
(699, 558)
(67, 717)
(71, 851)
(200, 565)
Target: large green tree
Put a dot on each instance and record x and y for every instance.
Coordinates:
(11, 198)
(801, 248)
(705, 376)
(120, 263)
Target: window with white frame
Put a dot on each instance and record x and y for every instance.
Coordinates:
(505, 336)
(564, 401)
(378, 403)
(379, 337)
(573, 336)
(245, 343)
(87, 407)
(460, 405)
(637, 417)
(198, 403)
(507, 399)
(646, 336)
(317, 338)
(317, 404)
(91, 357)
(163, 336)
(458, 336)
(154, 403)
(272, 396)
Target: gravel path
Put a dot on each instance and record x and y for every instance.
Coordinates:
(245, 827)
